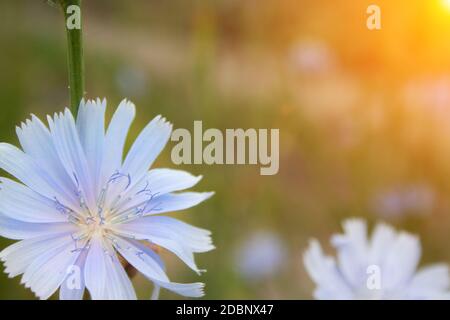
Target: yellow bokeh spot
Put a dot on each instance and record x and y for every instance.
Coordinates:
(446, 4)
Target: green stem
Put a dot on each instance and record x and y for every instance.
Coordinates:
(74, 55)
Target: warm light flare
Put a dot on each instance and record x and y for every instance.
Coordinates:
(446, 4)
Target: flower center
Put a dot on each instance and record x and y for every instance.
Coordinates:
(95, 226)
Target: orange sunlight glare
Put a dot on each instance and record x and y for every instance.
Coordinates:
(446, 4)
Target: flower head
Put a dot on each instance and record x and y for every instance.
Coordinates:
(406, 200)
(260, 256)
(382, 267)
(80, 207)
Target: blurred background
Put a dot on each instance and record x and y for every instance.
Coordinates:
(364, 117)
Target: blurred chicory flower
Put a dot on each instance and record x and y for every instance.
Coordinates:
(79, 205)
(398, 202)
(312, 57)
(431, 94)
(260, 256)
(382, 267)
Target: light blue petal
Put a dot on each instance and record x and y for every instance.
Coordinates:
(193, 238)
(66, 140)
(18, 256)
(193, 290)
(162, 235)
(155, 293)
(156, 288)
(19, 202)
(353, 251)
(91, 130)
(161, 181)
(104, 275)
(143, 152)
(115, 139)
(48, 271)
(171, 202)
(157, 183)
(382, 238)
(143, 259)
(166, 203)
(15, 229)
(118, 285)
(146, 148)
(36, 141)
(324, 272)
(401, 261)
(24, 168)
(431, 282)
(69, 290)
(95, 269)
(135, 255)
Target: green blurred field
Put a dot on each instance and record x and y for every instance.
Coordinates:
(360, 113)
